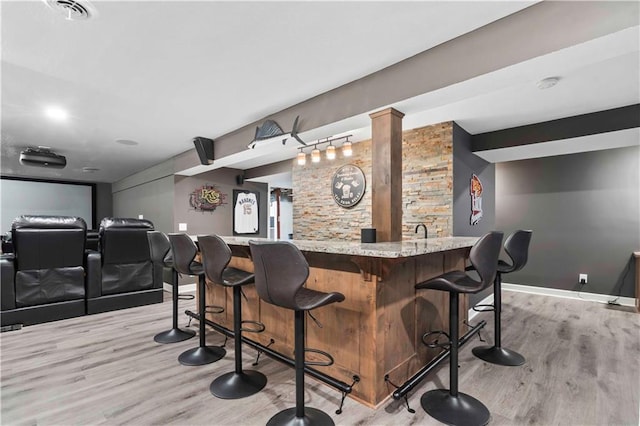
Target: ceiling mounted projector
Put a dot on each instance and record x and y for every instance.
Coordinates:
(42, 157)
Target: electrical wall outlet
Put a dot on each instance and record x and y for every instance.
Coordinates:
(182, 227)
(140, 216)
(582, 279)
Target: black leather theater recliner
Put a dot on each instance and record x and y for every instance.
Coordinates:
(44, 279)
(127, 275)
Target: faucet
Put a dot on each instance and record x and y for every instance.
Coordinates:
(425, 229)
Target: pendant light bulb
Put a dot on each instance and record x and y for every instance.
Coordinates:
(331, 152)
(346, 149)
(302, 158)
(315, 155)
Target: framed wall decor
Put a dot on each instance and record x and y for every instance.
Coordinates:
(475, 190)
(206, 198)
(348, 185)
(246, 212)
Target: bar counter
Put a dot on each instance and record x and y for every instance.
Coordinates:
(376, 332)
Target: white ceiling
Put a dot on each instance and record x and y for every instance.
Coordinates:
(160, 73)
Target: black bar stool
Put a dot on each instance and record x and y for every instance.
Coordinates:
(161, 254)
(450, 406)
(216, 255)
(184, 252)
(517, 248)
(280, 273)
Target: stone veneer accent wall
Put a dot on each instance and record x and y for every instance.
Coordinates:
(427, 180)
(427, 189)
(315, 215)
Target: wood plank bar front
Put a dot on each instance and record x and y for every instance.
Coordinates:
(375, 332)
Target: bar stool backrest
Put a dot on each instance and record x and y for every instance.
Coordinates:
(184, 252)
(216, 255)
(280, 271)
(484, 257)
(160, 248)
(517, 248)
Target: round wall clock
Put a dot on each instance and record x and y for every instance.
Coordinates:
(348, 185)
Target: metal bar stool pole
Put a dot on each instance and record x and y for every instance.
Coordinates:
(175, 334)
(203, 354)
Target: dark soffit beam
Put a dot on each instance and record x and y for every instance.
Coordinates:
(610, 120)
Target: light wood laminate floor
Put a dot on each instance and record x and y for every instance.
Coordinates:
(582, 368)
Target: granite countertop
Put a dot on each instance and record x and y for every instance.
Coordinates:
(406, 248)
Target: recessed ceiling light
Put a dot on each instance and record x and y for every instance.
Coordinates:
(126, 142)
(56, 113)
(547, 82)
(90, 169)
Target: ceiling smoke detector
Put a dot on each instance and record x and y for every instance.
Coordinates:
(73, 10)
(547, 83)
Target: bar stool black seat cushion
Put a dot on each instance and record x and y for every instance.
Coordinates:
(483, 257)
(281, 274)
(216, 265)
(450, 406)
(216, 255)
(517, 248)
(184, 252)
(162, 255)
(160, 248)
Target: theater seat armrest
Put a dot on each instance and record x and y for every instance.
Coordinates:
(7, 285)
(94, 274)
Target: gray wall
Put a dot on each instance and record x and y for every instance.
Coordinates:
(466, 163)
(104, 202)
(584, 210)
(149, 193)
(220, 221)
(153, 200)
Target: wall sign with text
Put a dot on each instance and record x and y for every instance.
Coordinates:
(207, 198)
(348, 186)
(475, 189)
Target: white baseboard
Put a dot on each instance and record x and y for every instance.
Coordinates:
(570, 294)
(554, 292)
(188, 288)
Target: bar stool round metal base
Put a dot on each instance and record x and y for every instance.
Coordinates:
(173, 336)
(312, 417)
(454, 410)
(238, 385)
(499, 356)
(202, 355)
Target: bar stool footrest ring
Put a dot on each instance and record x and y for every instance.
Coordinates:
(319, 363)
(436, 343)
(484, 308)
(259, 327)
(213, 309)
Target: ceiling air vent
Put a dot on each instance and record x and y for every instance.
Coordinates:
(72, 10)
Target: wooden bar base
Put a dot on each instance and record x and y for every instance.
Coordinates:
(375, 332)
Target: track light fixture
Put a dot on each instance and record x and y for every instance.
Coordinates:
(330, 154)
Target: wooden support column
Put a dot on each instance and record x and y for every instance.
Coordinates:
(386, 174)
